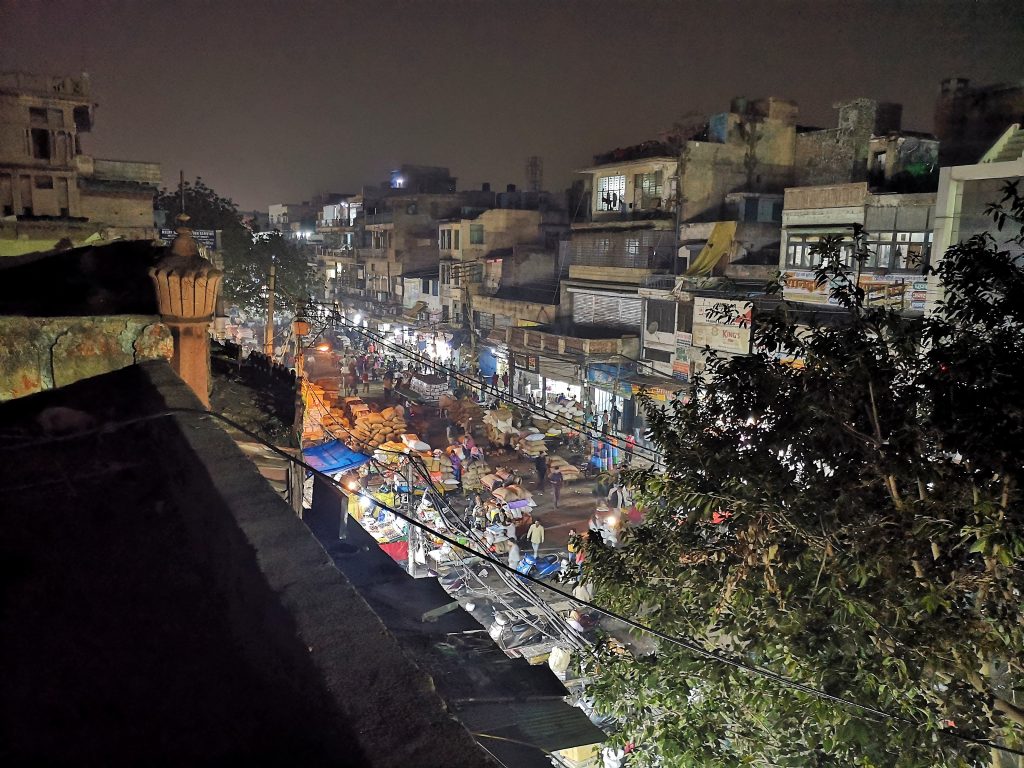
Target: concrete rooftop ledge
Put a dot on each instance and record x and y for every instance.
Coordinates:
(164, 605)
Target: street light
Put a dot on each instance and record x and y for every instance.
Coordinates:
(300, 327)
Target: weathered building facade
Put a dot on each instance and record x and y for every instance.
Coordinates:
(50, 190)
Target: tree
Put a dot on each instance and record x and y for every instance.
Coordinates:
(852, 522)
(246, 256)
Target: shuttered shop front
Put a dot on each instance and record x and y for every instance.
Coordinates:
(606, 310)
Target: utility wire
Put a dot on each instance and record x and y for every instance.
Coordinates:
(684, 642)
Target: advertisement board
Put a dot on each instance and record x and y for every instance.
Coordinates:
(898, 291)
(681, 363)
(729, 334)
(205, 237)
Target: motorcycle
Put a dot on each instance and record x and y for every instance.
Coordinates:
(541, 567)
(510, 633)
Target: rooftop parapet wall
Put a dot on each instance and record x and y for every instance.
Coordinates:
(45, 353)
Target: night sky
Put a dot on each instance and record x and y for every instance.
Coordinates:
(272, 102)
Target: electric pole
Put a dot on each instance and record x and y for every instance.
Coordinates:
(268, 333)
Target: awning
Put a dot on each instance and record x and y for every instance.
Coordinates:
(333, 456)
(718, 244)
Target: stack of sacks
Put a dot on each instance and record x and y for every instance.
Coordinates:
(372, 429)
(315, 413)
(490, 481)
(499, 429)
(473, 476)
(460, 410)
(514, 497)
(439, 466)
(428, 386)
(569, 473)
(532, 448)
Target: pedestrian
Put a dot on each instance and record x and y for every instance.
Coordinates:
(389, 381)
(366, 381)
(630, 446)
(541, 464)
(617, 497)
(615, 415)
(504, 380)
(536, 537)
(556, 479)
(514, 555)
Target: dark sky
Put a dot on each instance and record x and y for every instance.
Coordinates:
(271, 102)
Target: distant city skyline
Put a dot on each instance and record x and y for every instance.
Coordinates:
(273, 102)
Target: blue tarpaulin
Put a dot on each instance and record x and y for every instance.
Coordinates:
(333, 456)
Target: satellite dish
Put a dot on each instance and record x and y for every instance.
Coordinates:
(652, 327)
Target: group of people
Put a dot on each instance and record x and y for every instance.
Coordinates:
(362, 367)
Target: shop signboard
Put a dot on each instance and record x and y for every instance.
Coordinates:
(730, 334)
(681, 363)
(610, 380)
(658, 394)
(681, 369)
(879, 290)
(529, 363)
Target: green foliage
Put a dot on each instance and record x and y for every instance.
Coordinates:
(246, 258)
(874, 542)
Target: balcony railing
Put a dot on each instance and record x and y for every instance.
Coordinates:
(659, 282)
(542, 341)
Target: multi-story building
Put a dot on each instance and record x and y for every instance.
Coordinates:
(473, 248)
(51, 192)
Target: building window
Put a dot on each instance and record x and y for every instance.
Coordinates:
(476, 234)
(684, 318)
(657, 355)
(610, 192)
(661, 316)
(750, 206)
(457, 246)
(800, 255)
(433, 287)
(425, 286)
(898, 251)
(40, 144)
(43, 182)
(647, 189)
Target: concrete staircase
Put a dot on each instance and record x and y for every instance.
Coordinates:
(1009, 147)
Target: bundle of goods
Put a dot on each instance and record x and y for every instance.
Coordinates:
(514, 497)
(440, 468)
(462, 410)
(532, 445)
(428, 386)
(569, 473)
(473, 475)
(315, 413)
(372, 429)
(498, 427)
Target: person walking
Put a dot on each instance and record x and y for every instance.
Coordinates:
(617, 497)
(389, 381)
(514, 555)
(630, 447)
(556, 480)
(615, 415)
(536, 537)
(541, 464)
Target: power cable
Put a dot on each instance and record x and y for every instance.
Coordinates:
(684, 642)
